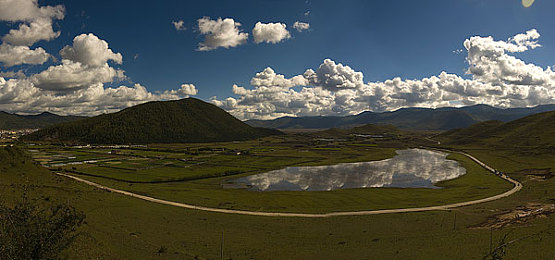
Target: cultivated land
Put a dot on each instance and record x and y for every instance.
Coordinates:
(516, 188)
(120, 227)
(197, 175)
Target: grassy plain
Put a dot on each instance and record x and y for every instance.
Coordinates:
(477, 183)
(194, 174)
(119, 227)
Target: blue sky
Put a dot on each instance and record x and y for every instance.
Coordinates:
(381, 39)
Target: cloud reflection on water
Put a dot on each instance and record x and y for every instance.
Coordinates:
(415, 168)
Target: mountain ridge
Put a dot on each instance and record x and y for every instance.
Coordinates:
(10, 121)
(415, 118)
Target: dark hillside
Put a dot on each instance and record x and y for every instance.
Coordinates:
(536, 130)
(414, 118)
(13, 121)
(186, 120)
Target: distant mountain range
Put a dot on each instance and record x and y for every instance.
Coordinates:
(407, 118)
(13, 121)
(186, 120)
(536, 130)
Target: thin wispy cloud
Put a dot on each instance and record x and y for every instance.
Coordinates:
(179, 25)
(300, 26)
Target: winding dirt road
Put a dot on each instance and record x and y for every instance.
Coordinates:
(517, 187)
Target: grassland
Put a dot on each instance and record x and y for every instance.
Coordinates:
(118, 227)
(477, 183)
(194, 174)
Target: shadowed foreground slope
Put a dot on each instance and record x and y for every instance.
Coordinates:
(535, 130)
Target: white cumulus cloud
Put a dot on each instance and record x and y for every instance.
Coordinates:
(35, 24)
(28, 34)
(85, 63)
(218, 33)
(269, 78)
(498, 79)
(184, 91)
(89, 50)
(270, 32)
(28, 10)
(76, 85)
(36, 21)
(22, 96)
(334, 76)
(74, 75)
(15, 55)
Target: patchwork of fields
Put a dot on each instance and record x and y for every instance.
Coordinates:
(127, 228)
(198, 173)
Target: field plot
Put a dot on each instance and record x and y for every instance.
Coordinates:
(118, 222)
(477, 183)
(197, 174)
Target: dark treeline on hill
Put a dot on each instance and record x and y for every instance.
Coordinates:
(535, 130)
(186, 120)
(14, 121)
(11, 156)
(407, 118)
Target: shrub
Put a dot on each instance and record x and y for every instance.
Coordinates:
(31, 230)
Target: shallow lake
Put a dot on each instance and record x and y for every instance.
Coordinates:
(410, 168)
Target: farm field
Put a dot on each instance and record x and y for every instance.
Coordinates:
(126, 228)
(198, 174)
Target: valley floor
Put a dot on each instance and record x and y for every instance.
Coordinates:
(120, 227)
(517, 186)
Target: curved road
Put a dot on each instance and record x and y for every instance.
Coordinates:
(517, 187)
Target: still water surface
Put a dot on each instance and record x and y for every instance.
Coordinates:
(411, 168)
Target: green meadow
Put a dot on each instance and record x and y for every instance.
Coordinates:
(476, 184)
(120, 227)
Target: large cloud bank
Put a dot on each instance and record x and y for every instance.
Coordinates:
(75, 85)
(34, 24)
(498, 79)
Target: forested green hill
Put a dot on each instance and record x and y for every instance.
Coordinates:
(186, 120)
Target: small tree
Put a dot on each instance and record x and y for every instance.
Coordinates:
(162, 250)
(31, 230)
(500, 251)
